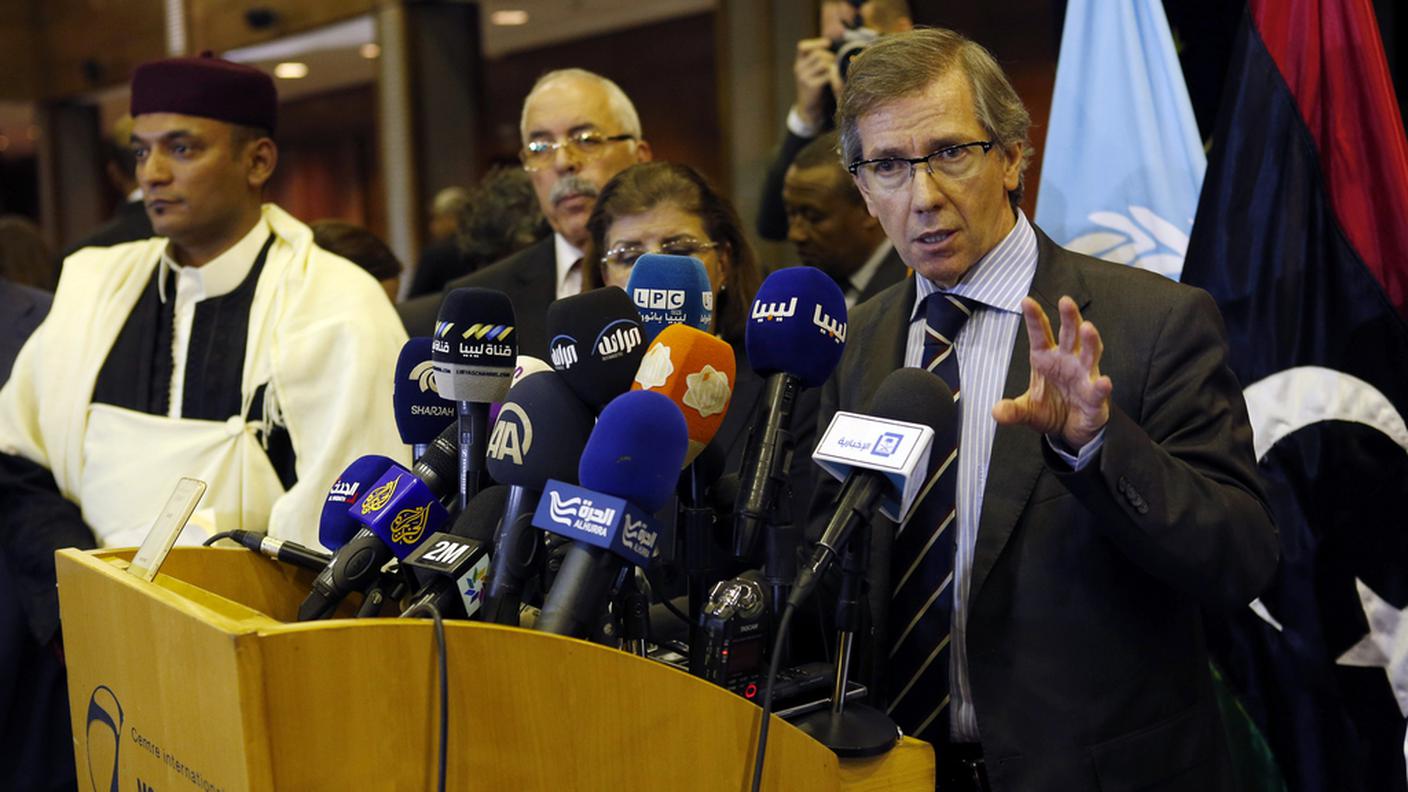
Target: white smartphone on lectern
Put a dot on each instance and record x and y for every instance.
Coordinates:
(168, 526)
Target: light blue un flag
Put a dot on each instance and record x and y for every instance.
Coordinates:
(1123, 162)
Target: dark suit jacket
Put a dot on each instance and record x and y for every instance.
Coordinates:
(128, 224)
(772, 212)
(528, 277)
(1086, 651)
(892, 270)
(439, 264)
(21, 310)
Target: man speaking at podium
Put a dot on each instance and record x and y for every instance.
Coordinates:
(1037, 616)
(228, 348)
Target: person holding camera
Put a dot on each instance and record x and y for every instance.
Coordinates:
(846, 27)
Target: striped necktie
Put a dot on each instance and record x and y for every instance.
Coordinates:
(921, 605)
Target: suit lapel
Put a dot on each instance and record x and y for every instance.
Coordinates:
(1016, 459)
(541, 271)
(892, 322)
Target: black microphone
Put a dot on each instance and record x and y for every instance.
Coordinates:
(456, 563)
(628, 471)
(884, 457)
(541, 431)
(596, 343)
(475, 352)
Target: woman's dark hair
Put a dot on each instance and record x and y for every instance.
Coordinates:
(643, 187)
(359, 246)
(501, 217)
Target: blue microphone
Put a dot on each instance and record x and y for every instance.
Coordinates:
(670, 290)
(401, 510)
(796, 333)
(335, 525)
(628, 472)
(420, 412)
(360, 553)
(539, 436)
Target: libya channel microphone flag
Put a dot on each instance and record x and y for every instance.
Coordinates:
(1123, 161)
(1301, 235)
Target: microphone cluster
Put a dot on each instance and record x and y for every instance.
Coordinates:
(550, 483)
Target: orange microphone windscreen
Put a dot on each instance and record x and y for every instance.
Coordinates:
(696, 370)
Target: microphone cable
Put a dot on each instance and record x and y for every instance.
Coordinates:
(444, 689)
(217, 537)
(782, 626)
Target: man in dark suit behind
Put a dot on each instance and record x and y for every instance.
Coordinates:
(1041, 622)
(579, 129)
(829, 226)
(129, 221)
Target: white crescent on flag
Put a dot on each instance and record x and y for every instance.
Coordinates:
(1298, 397)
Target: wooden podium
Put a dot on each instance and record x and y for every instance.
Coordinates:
(202, 680)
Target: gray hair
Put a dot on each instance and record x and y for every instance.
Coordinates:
(905, 64)
(616, 99)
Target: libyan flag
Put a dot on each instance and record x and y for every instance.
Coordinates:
(1301, 235)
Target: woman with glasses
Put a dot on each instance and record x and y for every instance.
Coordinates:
(665, 207)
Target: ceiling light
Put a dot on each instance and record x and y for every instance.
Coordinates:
(509, 17)
(371, 50)
(291, 70)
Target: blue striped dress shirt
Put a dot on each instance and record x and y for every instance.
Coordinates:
(997, 282)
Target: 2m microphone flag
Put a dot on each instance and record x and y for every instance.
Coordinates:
(1301, 238)
(1123, 161)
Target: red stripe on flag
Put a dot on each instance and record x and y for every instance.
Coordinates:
(1330, 54)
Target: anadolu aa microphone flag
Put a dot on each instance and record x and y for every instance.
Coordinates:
(1301, 235)
(1124, 162)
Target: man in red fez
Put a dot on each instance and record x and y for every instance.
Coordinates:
(228, 348)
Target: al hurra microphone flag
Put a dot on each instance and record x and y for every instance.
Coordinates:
(1122, 162)
(1302, 238)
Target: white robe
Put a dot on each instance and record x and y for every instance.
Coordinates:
(322, 335)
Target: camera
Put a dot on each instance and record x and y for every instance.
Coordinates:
(734, 631)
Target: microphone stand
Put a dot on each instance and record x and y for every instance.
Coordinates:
(694, 522)
(631, 603)
(473, 424)
(850, 729)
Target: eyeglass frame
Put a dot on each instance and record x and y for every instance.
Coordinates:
(854, 167)
(572, 143)
(606, 259)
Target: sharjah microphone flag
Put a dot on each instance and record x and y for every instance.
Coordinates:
(1302, 237)
(1123, 159)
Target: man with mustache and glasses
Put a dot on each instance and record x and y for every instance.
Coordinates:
(579, 129)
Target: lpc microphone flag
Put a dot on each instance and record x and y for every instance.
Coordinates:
(595, 343)
(697, 372)
(669, 290)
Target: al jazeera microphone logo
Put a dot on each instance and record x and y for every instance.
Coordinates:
(377, 499)
(409, 524)
(104, 738)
